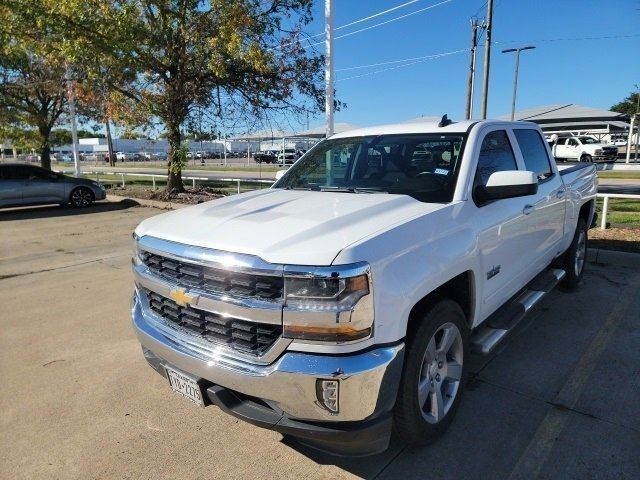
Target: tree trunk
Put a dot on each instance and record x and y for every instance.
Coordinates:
(112, 157)
(45, 147)
(174, 181)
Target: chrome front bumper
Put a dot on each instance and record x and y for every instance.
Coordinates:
(368, 380)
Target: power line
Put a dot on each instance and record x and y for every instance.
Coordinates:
(360, 20)
(416, 60)
(443, 2)
(424, 59)
(567, 39)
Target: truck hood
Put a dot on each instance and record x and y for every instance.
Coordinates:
(285, 226)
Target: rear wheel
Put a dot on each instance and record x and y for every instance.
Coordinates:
(81, 197)
(434, 375)
(575, 257)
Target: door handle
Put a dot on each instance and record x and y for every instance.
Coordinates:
(560, 194)
(527, 209)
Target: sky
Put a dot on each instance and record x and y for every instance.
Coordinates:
(572, 62)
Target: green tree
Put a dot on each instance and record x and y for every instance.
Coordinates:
(62, 136)
(175, 56)
(32, 85)
(629, 105)
(131, 135)
(23, 139)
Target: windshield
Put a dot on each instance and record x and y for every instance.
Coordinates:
(587, 140)
(423, 166)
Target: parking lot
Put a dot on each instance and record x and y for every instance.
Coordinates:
(559, 399)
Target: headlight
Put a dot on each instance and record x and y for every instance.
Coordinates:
(598, 151)
(328, 303)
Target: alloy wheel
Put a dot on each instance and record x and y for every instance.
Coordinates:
(581, 253)
(441, 373)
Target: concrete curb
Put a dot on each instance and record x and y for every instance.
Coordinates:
(148, 203)
(614, 257)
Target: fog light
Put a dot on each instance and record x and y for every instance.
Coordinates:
(328, 392)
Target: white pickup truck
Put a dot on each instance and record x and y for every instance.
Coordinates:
(584, 149)
(345, 300)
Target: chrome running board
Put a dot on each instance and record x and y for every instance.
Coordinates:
(503, 320)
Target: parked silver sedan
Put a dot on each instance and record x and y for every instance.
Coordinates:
(22, 184)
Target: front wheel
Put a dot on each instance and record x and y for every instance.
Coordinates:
(586, 159)
(575, 257)
(81, 197)
(434, 375)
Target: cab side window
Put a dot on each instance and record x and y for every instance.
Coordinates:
(35, 173)
(533, 152)
(16, 172)
(496, 155)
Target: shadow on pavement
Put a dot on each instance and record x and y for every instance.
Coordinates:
(50, 211)
(363, 467)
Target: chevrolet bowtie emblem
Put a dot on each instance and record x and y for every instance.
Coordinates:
(181, 297)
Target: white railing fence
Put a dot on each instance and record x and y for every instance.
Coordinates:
(154, 176)
(605, 204)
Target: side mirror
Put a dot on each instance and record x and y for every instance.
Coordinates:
(279, 174)
(507, 184)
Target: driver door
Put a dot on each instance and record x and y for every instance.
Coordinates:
(41, 186)
(503, 238)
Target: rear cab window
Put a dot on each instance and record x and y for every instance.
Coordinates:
(534, 152)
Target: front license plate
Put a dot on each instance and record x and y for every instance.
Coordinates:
(185, 386)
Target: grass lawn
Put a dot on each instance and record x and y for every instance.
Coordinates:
(621, 212)
(618, 174)
(234, 167)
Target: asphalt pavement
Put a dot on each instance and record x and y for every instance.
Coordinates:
(558, 400)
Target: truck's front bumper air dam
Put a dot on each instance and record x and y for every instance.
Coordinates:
(283, 395)
(336, 438)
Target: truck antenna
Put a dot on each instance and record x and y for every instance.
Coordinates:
(445, 121)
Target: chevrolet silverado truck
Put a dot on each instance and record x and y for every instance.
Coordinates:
(584, 149)
(343, 303)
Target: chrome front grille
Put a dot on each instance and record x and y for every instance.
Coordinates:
(244, 336)
(214, 280)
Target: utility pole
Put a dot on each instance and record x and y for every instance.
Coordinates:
(635, 155)
(635, 117)
(630, 138)
(74, 125)
(328, 67)
(112, 159)
(472, 67)
(487, 58)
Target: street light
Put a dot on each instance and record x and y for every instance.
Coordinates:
(515, 77)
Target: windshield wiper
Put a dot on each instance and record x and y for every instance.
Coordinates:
(352, 189)
(313, 187)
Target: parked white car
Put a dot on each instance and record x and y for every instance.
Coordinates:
(584, 149)
(345, 300)
(289, 155)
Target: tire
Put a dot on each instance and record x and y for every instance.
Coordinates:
(439, 378)
(586, 158)
(81, 197)
(574, 259)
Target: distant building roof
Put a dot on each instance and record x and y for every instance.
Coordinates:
(261, 135)
(321, 131)
(564, 113)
